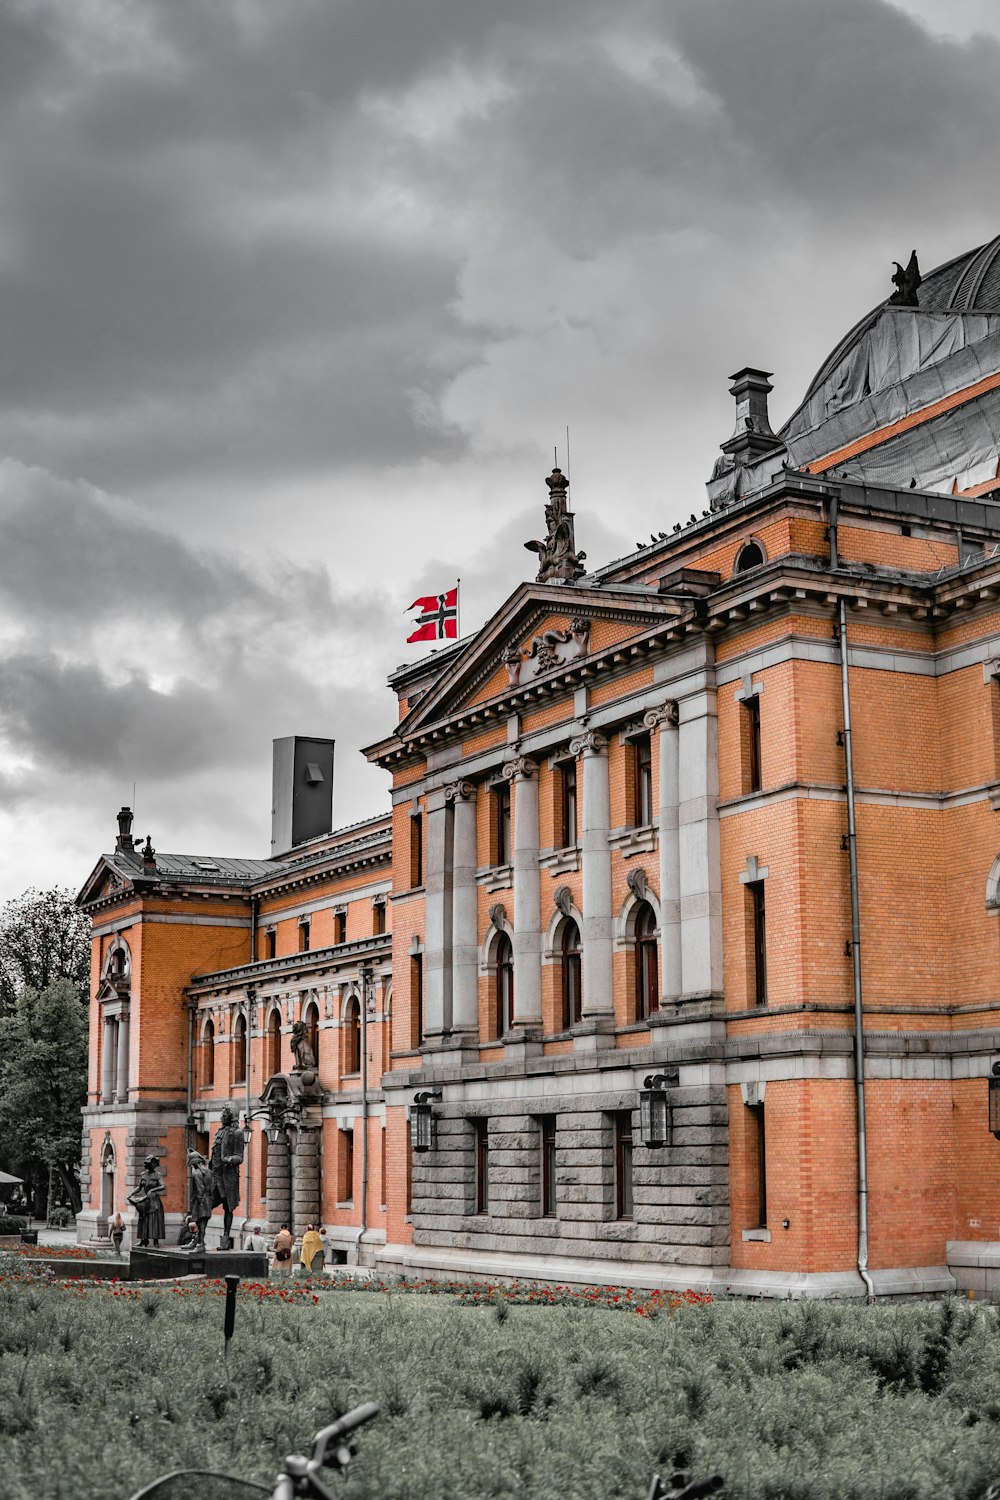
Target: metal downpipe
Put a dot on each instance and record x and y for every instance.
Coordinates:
(859, 1035)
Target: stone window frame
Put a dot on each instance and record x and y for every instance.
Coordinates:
(753, 1101)
(351, 1033)
(552, 953)
(499, 927)
(206, 1053)
(993, 888)
(752, 878)
(239, 1013)
(640, 894)
(750, 541)
(273, 1008)
(109, 973)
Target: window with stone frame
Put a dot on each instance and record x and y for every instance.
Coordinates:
(383, 1173)
(304, 935)
(566, 820)
(500, 824)
(378, 918)
(548, 1196)
(270, 943)
(238, 1048)
(208, 1055)
(623, 1144)
(756, 948)
(262, 1169)
(352, 1037)
(481, 1190)
(416, 999)
(345, 1166)
(750, 745)
(755, 1166)
(646, 964)
(340, 927)
(571, 973)
(272, 1049)
(503, 986)
(416, 848)
(639, 779)
(311, 1018)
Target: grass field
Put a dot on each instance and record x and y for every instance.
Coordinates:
(101, 1389)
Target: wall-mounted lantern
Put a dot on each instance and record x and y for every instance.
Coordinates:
(995, 1100)
(655, 1111)
(278, 1116)
(422, 1119)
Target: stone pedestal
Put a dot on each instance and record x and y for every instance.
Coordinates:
(175, 1260)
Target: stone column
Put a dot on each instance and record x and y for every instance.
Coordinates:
(108, 1061)
(437, 936)
(307, 1175)
(464, 914)
(664, 720)
(123, 1045)
(527, 942)
(698, 843)
(279, 1184)
(598, 993)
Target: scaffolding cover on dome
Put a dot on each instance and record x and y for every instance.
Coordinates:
(904, 360)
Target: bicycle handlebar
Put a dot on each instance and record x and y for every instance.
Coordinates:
(333, 1435)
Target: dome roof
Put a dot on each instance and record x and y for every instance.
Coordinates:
(969, 283)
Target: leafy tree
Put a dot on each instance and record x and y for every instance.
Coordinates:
(44, 936)
(43, 1081)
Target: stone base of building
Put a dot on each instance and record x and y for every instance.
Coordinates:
(721, 1281)
(172, 1262)
(975, 1265)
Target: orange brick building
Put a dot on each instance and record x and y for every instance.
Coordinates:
(720, 813)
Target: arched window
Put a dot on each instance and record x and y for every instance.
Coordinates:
(311, 1017)
(352, 1038)
(239, 1045)
(571, 974)
(504, 982)
(749, 556)
(272, 1053)
(647, 965)
(208, 1055)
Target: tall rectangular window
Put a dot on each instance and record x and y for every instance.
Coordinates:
(304, 936)
(751, 745)
(756, 1167)
(385, 1194)
(501, 824)
(758, 941)
(270, 943)
(378, 918)
(624, 1201)
(482, 1195)
(416, 999)
(567, 806)
(641, 754)
(416, 849)
(346, 1185)
(340, 927)
(547, 1140)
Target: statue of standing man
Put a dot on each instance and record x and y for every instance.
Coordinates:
(227, 1153)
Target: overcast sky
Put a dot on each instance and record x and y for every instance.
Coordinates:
(297, 298)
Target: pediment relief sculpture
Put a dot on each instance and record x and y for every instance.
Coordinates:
(548, 651)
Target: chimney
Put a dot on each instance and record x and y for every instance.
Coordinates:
(125, 843)
(302, 792)
(148, 857)
(752, 436)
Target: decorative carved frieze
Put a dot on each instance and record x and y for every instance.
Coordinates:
(665, 715)
(591, 740)
(546, 652)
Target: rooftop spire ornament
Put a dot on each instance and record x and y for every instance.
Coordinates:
(906, 283)
(558, 558)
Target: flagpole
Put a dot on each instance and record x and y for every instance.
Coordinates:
(458, 608)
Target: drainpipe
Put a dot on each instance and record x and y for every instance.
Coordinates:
(852, 849)
(191, 1007)
(366, 980)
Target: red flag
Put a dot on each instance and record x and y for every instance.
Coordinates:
(438, 618)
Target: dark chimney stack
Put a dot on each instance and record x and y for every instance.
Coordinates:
(125, 843)
(148, 857)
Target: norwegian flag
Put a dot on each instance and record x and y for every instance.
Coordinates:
(438, 618)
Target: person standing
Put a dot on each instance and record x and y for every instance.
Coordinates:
(282, 1247)
(117, 1232)
(311, 1252)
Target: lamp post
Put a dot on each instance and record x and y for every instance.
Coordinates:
(655, 1112)
(422, 1119)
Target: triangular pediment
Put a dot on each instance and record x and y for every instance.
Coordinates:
(540, 632)
(103, 883)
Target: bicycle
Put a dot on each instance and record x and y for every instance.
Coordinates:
(299, 1477)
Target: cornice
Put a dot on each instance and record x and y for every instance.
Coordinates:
(293, 966)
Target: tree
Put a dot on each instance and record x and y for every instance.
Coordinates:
(43, 1081)
(44, 936)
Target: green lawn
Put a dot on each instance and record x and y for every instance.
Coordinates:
(100, 1392)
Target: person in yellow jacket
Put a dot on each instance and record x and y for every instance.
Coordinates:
(311, 1252)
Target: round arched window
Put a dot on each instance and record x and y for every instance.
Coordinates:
(504, 1012)
(751, 555)
(572, 974)
(647, 967)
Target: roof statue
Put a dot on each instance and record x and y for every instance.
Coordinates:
(557, 554)
(906, 283)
